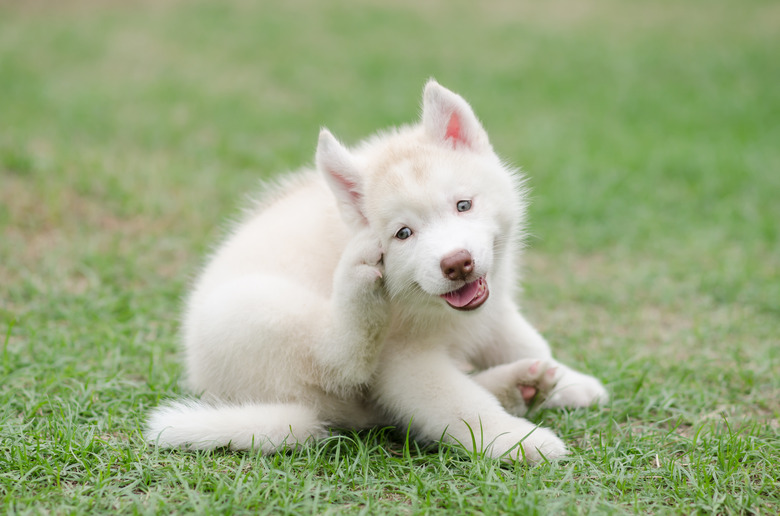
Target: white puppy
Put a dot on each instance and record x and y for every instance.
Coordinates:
(355, 294)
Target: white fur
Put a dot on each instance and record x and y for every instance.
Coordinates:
(236, 426)
(314, 314)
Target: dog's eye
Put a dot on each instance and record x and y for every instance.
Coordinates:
(403, 233)
(463, 205)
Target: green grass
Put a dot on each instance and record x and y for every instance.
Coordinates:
(130, 133)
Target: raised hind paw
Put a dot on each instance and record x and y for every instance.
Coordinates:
(520, 385)
(361, 268)
(359, 313)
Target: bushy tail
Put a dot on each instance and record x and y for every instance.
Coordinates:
(266, 427)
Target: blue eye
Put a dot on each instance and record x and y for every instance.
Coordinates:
(403, 233)
(463, 205)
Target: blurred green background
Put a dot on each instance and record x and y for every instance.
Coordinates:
(132, 132)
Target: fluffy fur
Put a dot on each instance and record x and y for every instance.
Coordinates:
(378, 289)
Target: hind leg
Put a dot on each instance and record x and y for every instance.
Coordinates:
(247, 339)
(262, 336)
(359, 315)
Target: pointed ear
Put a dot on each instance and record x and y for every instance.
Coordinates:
(343, 177)
(448, 119)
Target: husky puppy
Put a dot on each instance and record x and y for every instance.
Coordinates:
(377, 289)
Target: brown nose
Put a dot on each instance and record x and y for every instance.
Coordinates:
(457, 265)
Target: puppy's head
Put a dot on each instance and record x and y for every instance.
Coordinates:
(445, 208)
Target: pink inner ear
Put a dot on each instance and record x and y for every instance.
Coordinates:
(349, 186)
(453, 129)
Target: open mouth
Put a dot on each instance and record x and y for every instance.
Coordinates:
(468, 297)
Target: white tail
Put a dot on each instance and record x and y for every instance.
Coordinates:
(265, 427)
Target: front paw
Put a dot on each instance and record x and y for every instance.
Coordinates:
(520, 385)
(530, 443)
(535, 380)
(575, 389)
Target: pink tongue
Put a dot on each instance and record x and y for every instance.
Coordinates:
(463, 296)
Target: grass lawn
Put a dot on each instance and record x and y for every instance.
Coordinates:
(130, 133)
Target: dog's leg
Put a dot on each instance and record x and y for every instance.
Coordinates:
(261, 337)
(515, 339)
(358, 311)
(426, 390)
(520, 384)
(575, 389)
